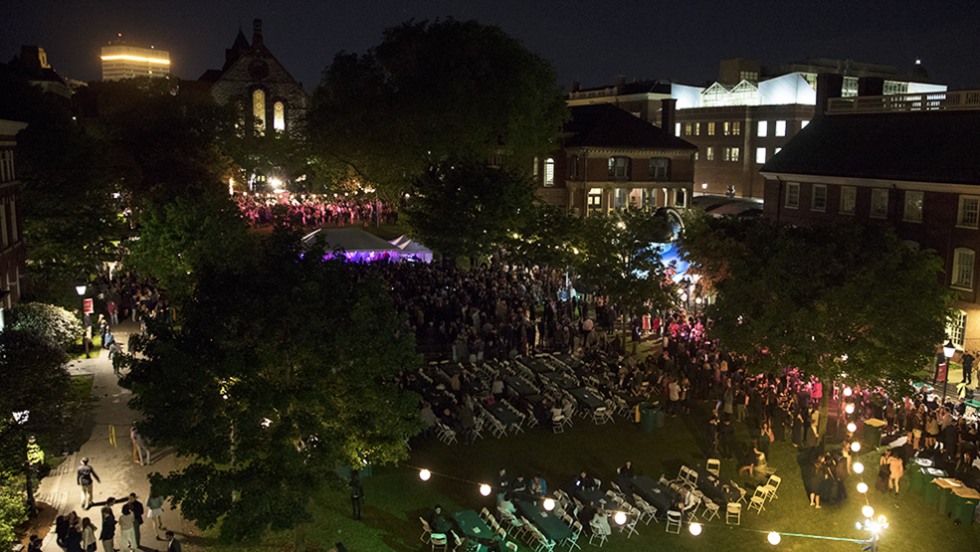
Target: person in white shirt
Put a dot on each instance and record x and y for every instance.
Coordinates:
(127, 529)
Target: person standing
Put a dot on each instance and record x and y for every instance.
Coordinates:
(136, 507)
(173, 545)
(356, 493)
(141, 452)
(155, 505)
(967, 368)
(88, 535)
(108, 533)
(127, 530)
(84, 477)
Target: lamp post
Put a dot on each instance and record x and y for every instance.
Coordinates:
(948, 351)
(21, 419)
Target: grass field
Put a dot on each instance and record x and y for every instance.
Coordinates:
(396, 497)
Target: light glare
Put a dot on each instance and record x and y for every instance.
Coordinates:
(774, 538)
(424, 474)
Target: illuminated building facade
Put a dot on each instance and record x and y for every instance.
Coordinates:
(268, 99)
(125, 61)
(903, 160)
(11, 230)
(740, 121)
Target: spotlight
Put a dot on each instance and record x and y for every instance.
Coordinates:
(424, 474)
(694, 528)
(774, 538)
(485, 489)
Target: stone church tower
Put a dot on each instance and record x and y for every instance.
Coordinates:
(267, 97)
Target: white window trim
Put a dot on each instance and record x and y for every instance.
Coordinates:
(840, 207)
(813, 198)
(959, 212)
(787, 204)
(905, 207)
(871, 208)
(956, 269)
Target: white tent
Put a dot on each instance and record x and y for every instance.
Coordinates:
(412, 249)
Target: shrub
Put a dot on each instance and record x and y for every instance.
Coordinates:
(54, 323)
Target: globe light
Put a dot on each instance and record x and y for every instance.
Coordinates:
(852, 427)
(858, 525)
(695, 529)
(848, 391)
(849, 408)
(774, 538)
(855, 446)
(862, 487)
(424, 474)
(485, 489)
(867, 511)
(620, 518)
(858, 467)
(549, 504)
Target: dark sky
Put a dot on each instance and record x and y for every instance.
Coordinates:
(586, 40)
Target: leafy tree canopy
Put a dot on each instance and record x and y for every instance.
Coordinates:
(830, 299)
(49, 321)
(468, 208)
(435, 90)
(281, 368)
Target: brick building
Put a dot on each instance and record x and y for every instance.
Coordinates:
(610, 160)
(11, 229)
(906, 160)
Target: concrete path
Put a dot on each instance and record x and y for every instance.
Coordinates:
(110, 453)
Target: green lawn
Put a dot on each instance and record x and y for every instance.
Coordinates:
(395, 497)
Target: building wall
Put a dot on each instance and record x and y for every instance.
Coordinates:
(260, 71)
(12, 255)
(126, 62)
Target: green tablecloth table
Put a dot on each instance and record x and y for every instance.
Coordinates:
(549, 523)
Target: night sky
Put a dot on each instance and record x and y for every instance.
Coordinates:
(585, 40)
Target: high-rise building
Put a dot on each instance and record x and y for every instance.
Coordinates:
(121, 60)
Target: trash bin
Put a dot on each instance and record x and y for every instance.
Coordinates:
(917, 480)
(872, 432)
(647, 418)
(931, 494)
(658, 414)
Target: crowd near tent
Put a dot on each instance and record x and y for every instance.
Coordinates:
(358, 245)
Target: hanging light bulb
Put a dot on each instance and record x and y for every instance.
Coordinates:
(424, 474)
(858, 467)
(774, 538)
(549, 504)
(485, 489)
(867, 511)
(848, 391)
(620, 518)
(855, 446)
(862, 487)
(852, 427)
(849, 408)
(695, 529)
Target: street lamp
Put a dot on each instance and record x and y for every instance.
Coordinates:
(80, 289)
(948, 351)
(21, 418)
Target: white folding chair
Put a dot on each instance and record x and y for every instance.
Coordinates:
(439, 541)
(597, 534)
(710, 511)
(733, 511)
(673, 522)
(572, 541)
(771, 486)
(426, 531)
(630, 526)
(713, 467)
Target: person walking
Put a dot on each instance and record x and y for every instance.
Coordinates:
(141, 452)
(136, 507)
(173, 545)
(84, 477)
(155, 504)
(127, 530)
(356, 493)
(108, 533)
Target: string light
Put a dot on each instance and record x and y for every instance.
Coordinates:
(694, 528)
(852, 427)
(424, 474)
(858, 467)
(849, 408)
(855, 446)
(867, 511)
(620, 518)
(774, 538)
(484, 489)
(862, 487)
(549, 504)
(848, 392)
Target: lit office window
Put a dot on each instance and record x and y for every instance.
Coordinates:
(763, 129)
(780, 128)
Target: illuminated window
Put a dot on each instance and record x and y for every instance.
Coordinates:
(649, 198)
(963, 263)
(879, 203)
(818, 201)
(956, 329)
(711, 129)
(736, 128)
(913, 206)
(659, 168)
(803, 123)
(697, 129)
(763, 129)
(780, 128)
(726, 128)
(732, 154)
(968, 211)
(760, 155)
(279, 116)
(848, 199)
(687, 129)
(619, 167)
(622, 198)
(594, 200)
(534, 168)
(709, 153)
(258, 111)
(549, 172)
(677, 129)
(792, 195)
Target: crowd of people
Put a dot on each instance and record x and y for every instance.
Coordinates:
(313, 210)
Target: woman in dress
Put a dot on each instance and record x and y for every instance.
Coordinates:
(816, 481)
(884, 472)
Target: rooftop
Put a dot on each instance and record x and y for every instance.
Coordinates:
(904, 103)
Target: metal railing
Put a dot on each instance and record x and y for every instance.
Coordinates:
(931, 101)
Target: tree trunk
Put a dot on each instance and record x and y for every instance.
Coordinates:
(299, 537)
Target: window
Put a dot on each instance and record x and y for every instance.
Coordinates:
(726, 128)
(780, 128)
(258, 111)
(777, 150)
(573, 166)
(619, 167)
(913, 206)
(659, 168)
(279, 116)
(622, 197)
(818, 201)
(879, 203)
(13, 219)
(709, 153)
(732, 154)
(677, 129)
(3, 225)
(963, 261)
(649, 198)
(956, 329)
(848, 199)
(711, 129)
(549, 172)
(760, 155)
(736, 128)
(680, 197)
(697, 129)
(763, 129)
(687, 129)
(803, 123)
(969, 209)
(594, 200)
(792, 195)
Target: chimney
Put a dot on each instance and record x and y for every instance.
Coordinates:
(667, 115)
(620, 82)
(871, 86)
(829, 85)
(576, 86)
(257, 32)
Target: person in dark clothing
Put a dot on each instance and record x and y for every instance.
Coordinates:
(356, 493)
(967, 368)
(73, 540)
(840, 474)
(173, 545)
(108, 532)
(136, 507)
(438, 522)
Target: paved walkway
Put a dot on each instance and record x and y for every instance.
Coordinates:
(110, 453)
